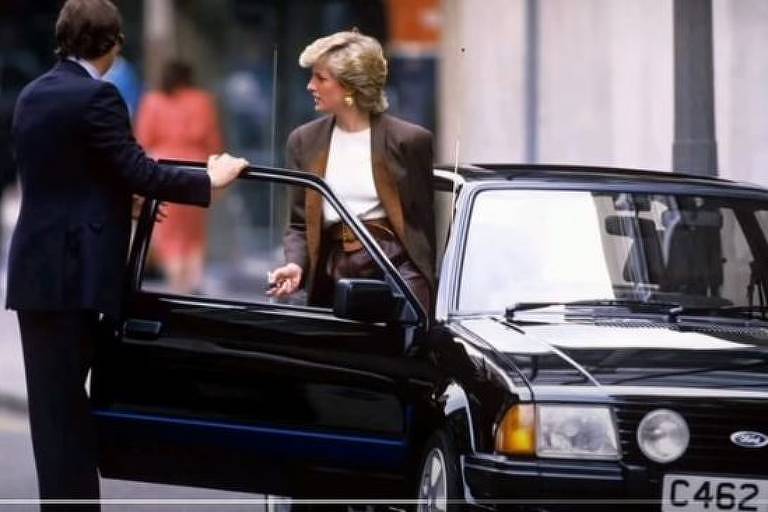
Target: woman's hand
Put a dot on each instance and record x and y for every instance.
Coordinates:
(285, 280)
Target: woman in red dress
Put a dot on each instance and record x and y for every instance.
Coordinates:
(180, 121)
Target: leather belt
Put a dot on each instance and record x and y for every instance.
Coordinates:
(379, 228)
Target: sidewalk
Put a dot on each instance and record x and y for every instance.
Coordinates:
(13, 390)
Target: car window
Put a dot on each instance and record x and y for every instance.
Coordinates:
(228, 250)
(559, 246)
(513, 255)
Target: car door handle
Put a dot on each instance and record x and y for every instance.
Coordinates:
(142, 329)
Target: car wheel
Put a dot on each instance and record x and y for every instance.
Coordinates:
(439, 481)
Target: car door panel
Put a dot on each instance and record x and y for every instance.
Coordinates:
(211, 391)
(247, 365)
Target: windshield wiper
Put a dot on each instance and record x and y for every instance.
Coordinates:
(726, 311)
(671, 311)
(626, 305)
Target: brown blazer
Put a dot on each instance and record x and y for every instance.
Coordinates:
(402, 172)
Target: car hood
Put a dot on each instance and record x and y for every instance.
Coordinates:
(630, 355)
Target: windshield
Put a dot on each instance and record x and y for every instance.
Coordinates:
(562, 246)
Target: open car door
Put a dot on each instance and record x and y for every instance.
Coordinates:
(222, 386)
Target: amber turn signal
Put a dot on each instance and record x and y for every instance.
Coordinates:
(516, 434)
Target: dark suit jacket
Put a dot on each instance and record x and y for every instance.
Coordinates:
(79, 165)
(402, 172)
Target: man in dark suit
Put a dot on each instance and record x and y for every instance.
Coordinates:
(79, 165)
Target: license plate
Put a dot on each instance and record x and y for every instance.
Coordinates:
(689, 493)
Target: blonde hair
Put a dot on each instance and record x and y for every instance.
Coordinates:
(357, 62)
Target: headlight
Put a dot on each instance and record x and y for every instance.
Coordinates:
(558, 431)
(576, 432)
(663, 435)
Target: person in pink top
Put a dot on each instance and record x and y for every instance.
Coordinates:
(180, 121)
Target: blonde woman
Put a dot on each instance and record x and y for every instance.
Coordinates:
(380, 165)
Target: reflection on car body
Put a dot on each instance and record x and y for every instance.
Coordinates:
(600, 336)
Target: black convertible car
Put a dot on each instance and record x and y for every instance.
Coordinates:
(600, 339)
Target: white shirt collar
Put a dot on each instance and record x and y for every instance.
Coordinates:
(87, 66)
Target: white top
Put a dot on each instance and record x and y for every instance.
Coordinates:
(349, 172)
(87, 66)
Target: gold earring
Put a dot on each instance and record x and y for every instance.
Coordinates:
(349, 100)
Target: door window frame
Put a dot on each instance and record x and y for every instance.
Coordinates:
(412, 313)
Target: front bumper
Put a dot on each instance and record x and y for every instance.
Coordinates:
(495, 480)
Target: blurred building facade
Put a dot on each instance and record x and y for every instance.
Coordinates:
(605, 84)
(576, 81)
(247, 51)
(602, 92)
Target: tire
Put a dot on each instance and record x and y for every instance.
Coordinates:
(439, 479)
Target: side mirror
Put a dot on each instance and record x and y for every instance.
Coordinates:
(365, 300)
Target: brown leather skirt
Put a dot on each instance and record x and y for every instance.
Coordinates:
(346, 258)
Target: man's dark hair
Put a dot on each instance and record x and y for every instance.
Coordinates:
(176, 74)
(88, 29)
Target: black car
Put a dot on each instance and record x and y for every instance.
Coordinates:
(600, 338)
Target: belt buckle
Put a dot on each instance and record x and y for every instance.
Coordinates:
(347, 235)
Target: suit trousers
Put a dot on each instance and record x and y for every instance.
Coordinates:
(58, 353)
